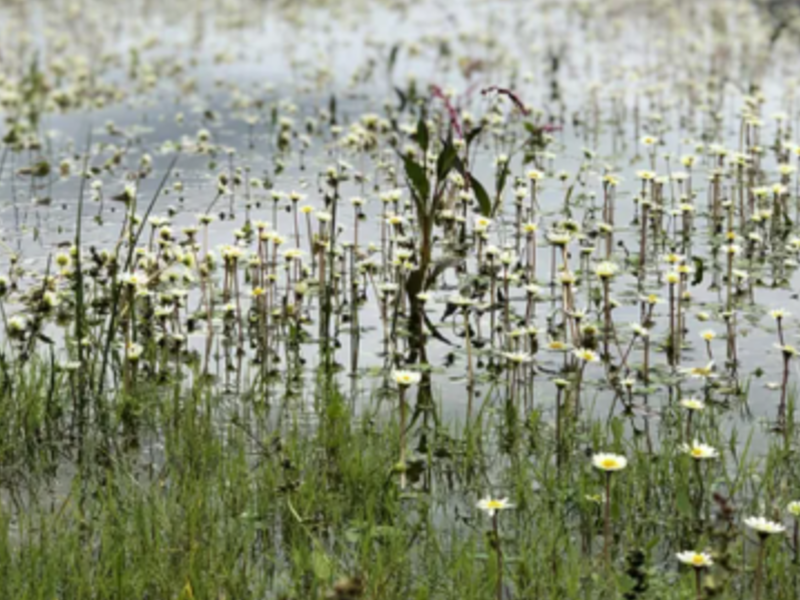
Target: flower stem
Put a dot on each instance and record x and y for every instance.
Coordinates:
(607, 524)
(496, 528)
(698, 584)
(759, 566)
(403, 437)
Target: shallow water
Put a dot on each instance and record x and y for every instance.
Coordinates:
(267, 61)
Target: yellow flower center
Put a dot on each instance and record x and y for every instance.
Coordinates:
(494, 504)
(698, 560)
(609, 463)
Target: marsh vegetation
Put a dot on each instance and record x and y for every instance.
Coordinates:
(389, 300)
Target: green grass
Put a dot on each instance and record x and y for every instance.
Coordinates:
(290, 501)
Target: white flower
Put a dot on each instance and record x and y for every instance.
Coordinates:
(406, 378)
(518, 357)
(134, 351)
(586, 355)
(606, 270)
(700, 372)
(764, 526)
(700, 451)
(698, 560)
(558, 238)
(692, 404)
(490, 506)
(609, 462)
(708, 335)
(16, 325)
(482, 223)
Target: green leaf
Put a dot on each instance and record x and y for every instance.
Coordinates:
(320, 565)
(484, 202)
(502, 176)
(472, 134)
(699, 267)
(392, 58)
(500, 184)
(446, 161)
(422, 136)
(419, 180)
(683, 502)
(403, 99)
(332, 108)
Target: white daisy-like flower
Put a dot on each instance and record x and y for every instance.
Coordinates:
(764, 526)
(586, 355)
(693, 404)
(609, 462)
(406, 378)
(698, 560)
(491, 506)
(134, 351)
(700, 451)
(606, 270)
(518, 357)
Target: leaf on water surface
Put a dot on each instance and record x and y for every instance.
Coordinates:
(39, 169)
